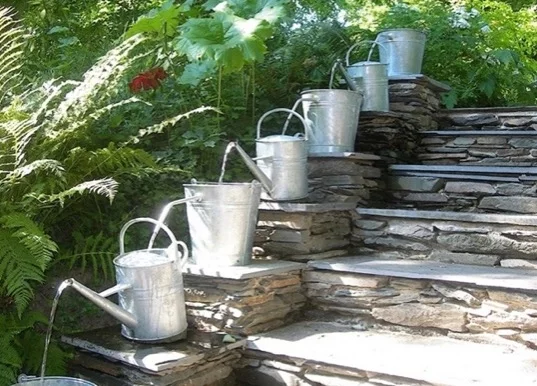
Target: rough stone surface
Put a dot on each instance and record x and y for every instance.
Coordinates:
(415, 184)
(395, 358)
(442, 316)
(510, 204)
(243, 306)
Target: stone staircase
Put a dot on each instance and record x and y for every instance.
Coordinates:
(441, 286)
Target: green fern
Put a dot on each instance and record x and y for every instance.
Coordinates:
(18, 335)
(95, 252)
(25, 251)
(11, 42)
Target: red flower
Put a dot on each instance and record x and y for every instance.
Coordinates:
(148, 80)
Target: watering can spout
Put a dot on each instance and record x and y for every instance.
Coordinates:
(106, 305)
(256, 171)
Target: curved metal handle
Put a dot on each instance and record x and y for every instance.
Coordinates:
(146, 219)
(291, 112)
(184, 256)
(361, 43)
(314, 98)
(348, 78)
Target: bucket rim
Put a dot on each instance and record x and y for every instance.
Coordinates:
(273, 138)
(330, 90)
(212, 184)
(117, 264)
(423, 31)
(77, 381)
(367, 63)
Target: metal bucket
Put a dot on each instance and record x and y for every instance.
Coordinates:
(155, 296)
(284, 160)
(405, 48)
(371, 78)
(222, 224)
(52, 381)
(332, 117)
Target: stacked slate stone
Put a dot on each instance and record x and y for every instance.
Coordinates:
(463, 238)
(319, 231)
(353, 178)
(458, 310)
(394, 135)
(243, 306)
(107, 359)
(487, 138)
(516, 195)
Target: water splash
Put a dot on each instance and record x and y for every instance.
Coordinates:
(61, 288)
(230, 146)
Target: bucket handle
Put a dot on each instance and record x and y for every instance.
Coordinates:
(350, 82)
(361, 43)
(162, 226)
(291, 112)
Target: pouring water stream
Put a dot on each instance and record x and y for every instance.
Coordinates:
(61, 288)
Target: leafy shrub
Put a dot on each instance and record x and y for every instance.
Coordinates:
(490, 47)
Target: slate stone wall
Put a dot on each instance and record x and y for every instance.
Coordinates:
(368, 301)
(480, 243)
(463, 195)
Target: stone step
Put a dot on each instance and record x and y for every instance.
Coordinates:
(464, 188)
(480, 147)
(460, 237)
(470, 302)
(316, 353)
(488, 118)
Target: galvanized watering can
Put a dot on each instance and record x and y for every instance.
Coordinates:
(371, 78)
(150, 289)
(222, 222)
(332, 116)
(281, 161)
(25, 380)
(404, 50)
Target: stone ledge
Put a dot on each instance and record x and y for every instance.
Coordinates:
(466, 169)
(479, 133)
(258, 268)
(434, 359)
(460, 273)
(422, 79)
(457, 176)
(347, 155)
(514, 219)
(306, 207)
(157, 358)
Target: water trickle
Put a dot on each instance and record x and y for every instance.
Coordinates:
(230, 146)
(63, 286)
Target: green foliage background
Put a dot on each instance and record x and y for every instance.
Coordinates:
(80, 154)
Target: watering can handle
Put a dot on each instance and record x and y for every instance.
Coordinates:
(348, 79)
(361, 43)
(184, 255)
(146, 219)
(291, 112)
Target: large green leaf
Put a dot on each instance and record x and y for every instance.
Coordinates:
(195, 72)
(162, 21)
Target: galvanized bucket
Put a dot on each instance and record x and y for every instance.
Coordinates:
(404, 50)
(222, 223)
(371, 78)
(25, 380)
(332, 117)
(284, 160)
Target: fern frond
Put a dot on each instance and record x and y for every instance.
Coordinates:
(100, 80)
(111, 161)
(31, 236)
(19, 269)
(52, 167)
(106, 187)
(11, 49)
(95, 251)
(159, 127)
